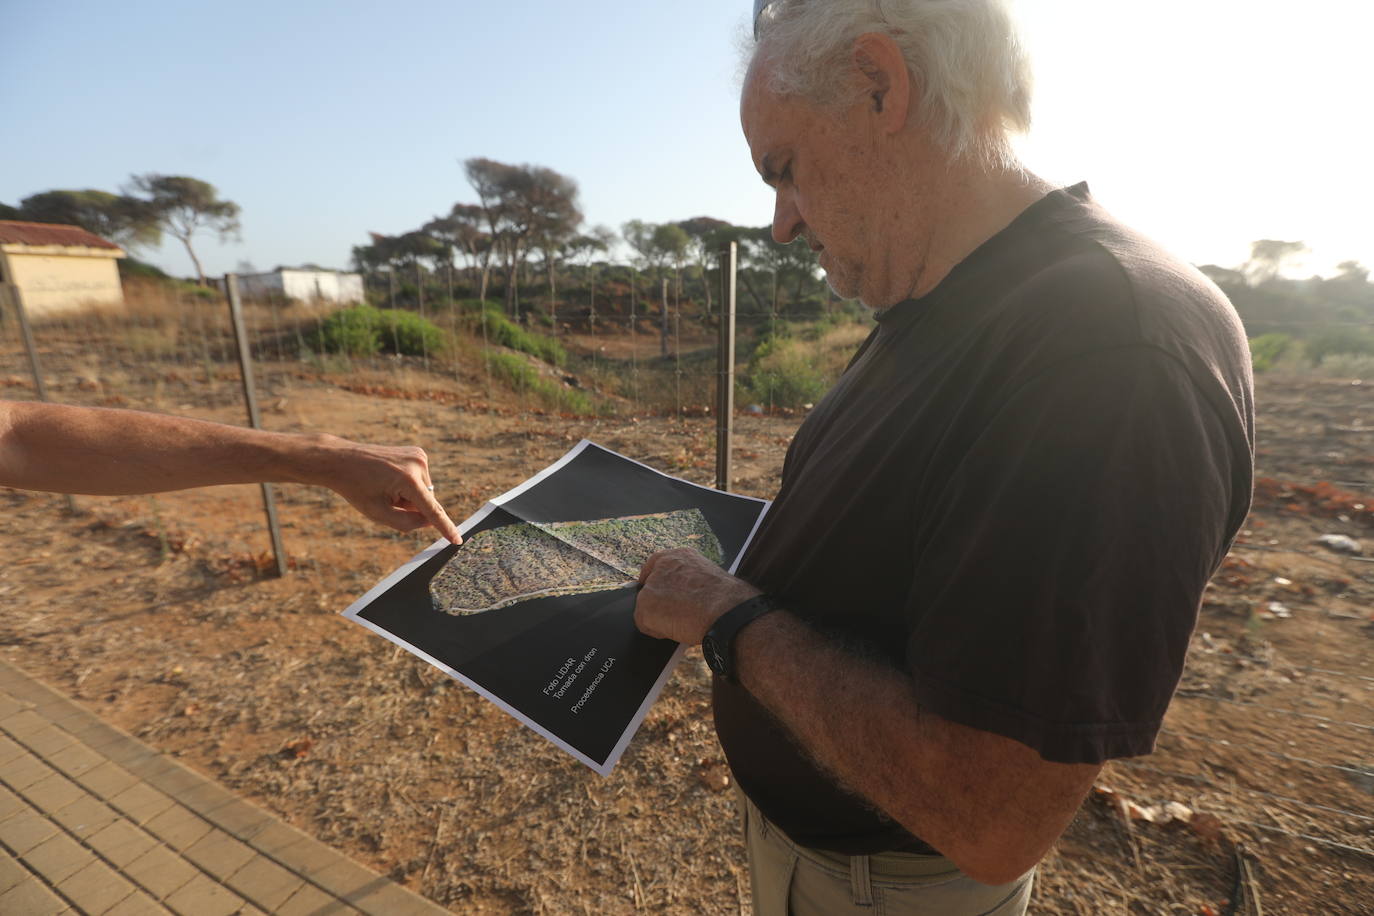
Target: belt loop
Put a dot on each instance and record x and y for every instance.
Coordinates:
(860, 881)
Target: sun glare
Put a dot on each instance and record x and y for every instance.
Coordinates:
(1211, 124)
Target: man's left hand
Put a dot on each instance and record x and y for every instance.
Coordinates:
(681, 593)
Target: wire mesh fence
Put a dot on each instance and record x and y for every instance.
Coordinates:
(436, 360)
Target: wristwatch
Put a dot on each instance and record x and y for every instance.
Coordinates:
(719, 643)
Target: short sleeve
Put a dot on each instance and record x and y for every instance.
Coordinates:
(1058, 579)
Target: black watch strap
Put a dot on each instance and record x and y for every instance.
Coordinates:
(718, 646)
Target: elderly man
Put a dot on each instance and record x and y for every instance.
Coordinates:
(979, 577)
(96, 451)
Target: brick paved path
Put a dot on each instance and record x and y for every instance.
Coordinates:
(94, 821)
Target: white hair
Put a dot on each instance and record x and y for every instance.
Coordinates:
(970, 69)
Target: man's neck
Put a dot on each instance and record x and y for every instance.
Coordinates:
(959, 212)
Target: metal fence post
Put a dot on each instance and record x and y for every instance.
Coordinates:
(663, 331)
(725, 383)
(231, 283)
(10, 292)
(420, 293)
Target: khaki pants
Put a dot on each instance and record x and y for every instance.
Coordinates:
(792, 880)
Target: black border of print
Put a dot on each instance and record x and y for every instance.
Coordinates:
(571, 667)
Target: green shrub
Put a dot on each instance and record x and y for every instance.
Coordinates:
(798, 365)
(503, 332)
(1348, 365)
(512, 370)
(785, 379)
(1267, 349)
(1340, 341)
(515, 372)
(365, 331)
(408, 334)
(351, 331)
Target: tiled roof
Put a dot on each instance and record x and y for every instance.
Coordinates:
(14, 232)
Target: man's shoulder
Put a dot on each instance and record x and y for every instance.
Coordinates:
(1098, 275)
(1102, 285)
(1088, 282)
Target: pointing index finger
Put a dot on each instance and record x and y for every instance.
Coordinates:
(434, 513)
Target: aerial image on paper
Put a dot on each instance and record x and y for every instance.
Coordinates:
(535, 609)
(502, 566)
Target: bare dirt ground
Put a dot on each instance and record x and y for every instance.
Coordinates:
(153, 612)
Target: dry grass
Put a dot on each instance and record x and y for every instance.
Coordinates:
(260, 684)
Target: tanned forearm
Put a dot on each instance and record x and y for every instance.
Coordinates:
(101, 452)
(990, 804)
(93, 451)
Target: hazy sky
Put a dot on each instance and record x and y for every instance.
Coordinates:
(1206, 123)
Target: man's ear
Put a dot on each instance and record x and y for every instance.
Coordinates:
(884, 78)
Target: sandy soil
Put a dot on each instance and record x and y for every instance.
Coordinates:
(155, 613)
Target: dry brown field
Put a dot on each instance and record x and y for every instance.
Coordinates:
(157, 614)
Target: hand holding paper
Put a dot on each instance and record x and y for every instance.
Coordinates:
(682, 593)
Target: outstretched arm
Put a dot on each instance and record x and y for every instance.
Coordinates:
(100, 451)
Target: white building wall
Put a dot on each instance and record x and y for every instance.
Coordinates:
(350, 287)
(304, 285)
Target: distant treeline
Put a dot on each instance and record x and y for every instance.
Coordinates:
(1311, 320)
(524, 239)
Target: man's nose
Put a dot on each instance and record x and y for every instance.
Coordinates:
(787, 221)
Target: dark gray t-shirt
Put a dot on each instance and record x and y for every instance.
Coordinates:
(1016, 494)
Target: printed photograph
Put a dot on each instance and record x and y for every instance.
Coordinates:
(535, 610)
